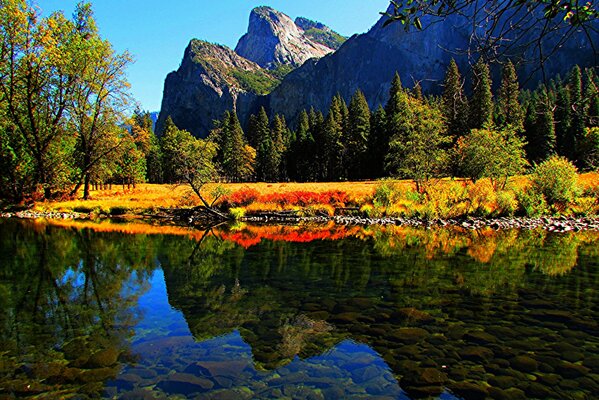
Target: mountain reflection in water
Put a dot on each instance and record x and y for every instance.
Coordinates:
(139, 311)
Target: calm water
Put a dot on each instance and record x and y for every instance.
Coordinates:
(297, 313)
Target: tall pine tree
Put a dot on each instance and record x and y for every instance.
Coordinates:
(481, 104)
(509, 111)
(355, 138)
(541, 135)
(454, 103)
(577, 126)
(378, 144)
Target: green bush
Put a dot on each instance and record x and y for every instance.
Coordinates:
(385, 194)
(533, 202)
(556, 179)
(237, 213)
(507, 203)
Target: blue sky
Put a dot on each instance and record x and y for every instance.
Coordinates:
(157, 32)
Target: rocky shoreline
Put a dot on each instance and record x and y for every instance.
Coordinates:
(186, 217)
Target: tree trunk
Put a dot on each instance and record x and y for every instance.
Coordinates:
(86, 187)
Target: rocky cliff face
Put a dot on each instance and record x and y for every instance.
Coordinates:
(211, 80)
(369, 61)
(273, 39)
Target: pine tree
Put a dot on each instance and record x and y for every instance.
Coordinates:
(279, 134)
(355, 139)
(563, 119)
(481, 104)
(168, 142)
(332, 132)
(417, 92)
(454, 103)
(263, 144)
(235, 161)
(591, 97)
(578, 110)
(541, 135)
(509, 109)
(302, 151)
(378, 144)
(316, 120)
(396, 110)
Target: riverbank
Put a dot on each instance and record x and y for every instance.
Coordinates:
(177, 217)
(453, 202)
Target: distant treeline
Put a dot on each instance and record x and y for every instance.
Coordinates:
(419, 137)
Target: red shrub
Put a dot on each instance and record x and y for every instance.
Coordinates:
(241, 197)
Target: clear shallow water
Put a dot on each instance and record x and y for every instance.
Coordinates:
(288, 312)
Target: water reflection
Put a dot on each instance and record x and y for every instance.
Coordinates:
(299, 312)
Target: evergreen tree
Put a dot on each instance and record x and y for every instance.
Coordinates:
(316, 120)
(263, 146)
(481, 105)
(417, 91)
(563, 119)
(332, 147)
(454, 102)
(280, 140)
(418, 151)
(541, 135)
(396, 111)
(509, 109)
(577, 125)
(169, 141)
(154, 161)
(237, 161)
(304, 150)
(252, 131)
(591, 98)
(355, 139)
(378, 144)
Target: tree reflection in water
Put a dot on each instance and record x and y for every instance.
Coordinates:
(447, 309)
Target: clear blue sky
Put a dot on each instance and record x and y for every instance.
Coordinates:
(157, 32)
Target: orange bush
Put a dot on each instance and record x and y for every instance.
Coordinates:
(248, 196)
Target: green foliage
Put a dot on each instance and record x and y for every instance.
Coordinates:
(417, 150)
(507, 202)
(189, 160)
(237, 158)
(454, 102)
(63, 88)
(541, 133)
(385, 194)
(508, 105)
(491, 153)
(281, 71)
(589, 149)
(532, 202)
(258, 81)
(355, 140)
(328, 38)
(237, 213)
(481, 105)
(556, 179)
(378, 143)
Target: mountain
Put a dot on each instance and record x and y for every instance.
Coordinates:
(273, 39)
(369, 61)
(320, 33)
(211, 80)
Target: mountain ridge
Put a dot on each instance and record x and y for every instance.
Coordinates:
(366, 61)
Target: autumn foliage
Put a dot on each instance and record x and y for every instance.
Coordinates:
(247, 196)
